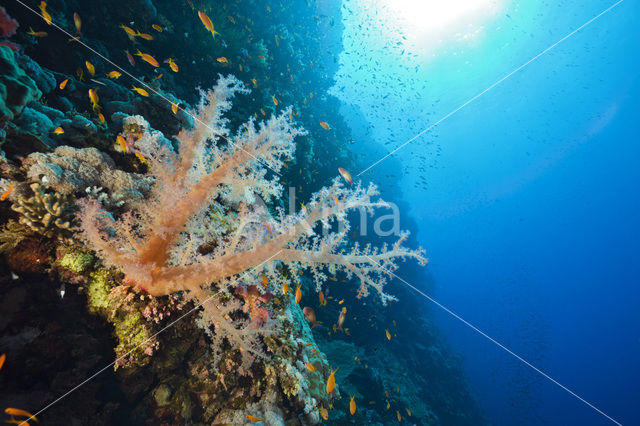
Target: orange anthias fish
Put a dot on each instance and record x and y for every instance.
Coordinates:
(78, 22)
(398, 415)
(148, 58)
(172, 65)
(223, 60)
(346, 175)
(388, 334)
(255, 82)
(93, 97)
(90, 68)
(36, 33)
(298, 294)
(206, 21)
(3, 197)
(141, 158)
(101, 118)
(157, 27)
(325, 125)
(123, 143)
(3, 357)
(331, 381)
(285, 288)
(230, 18)
(63, 84)
(174, 108)
(324, 413)
(310, 367)
(114, 74)
(58, 130)
(341, 318)
(275, 101)
(130, 32)
(140, 91)
(352, 406)
(18, 412)
(131, 59)
(323, 301)
(45, 14)
(310, 315)
(253, 418)
(144, 36)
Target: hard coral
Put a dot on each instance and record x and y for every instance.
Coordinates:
(48, 214)
(17, 89)
(70, 170)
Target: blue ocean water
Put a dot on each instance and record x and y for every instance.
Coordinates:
(526, 198)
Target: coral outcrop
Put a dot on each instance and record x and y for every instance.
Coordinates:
(17, 89)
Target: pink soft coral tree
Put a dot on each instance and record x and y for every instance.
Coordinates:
(206, 195)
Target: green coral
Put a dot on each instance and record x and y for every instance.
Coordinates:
(98, 288)
(48, 214)
(77, 262)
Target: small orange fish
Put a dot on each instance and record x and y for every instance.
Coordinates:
(310, 367)
(148, 58)
(341, 302)
(262, 111)
(298, 294)
(158, 77)
(90, 68)
(141, 158)
(58, 130)
(324, 413)
(398, 415)
(18, 412)
(101, 118)
(157, 27)
(230, 18)
(331, 381)
(123, 143)
(341, 318)
(130, 32)
(275, 101)
(78, 22)
(323, 301)
(206, 21)
(3, 197)
(285, 288)
(388, 334)
(131, 59)
(93, 97)
(408, 412)
(174, 108)
(144, 36)
(63, 84)
(255, 82)
(262, 57)
(3, 357)
(352, 406)
(140, 91)
(253, 418)
(264, 280)
(114, 74)
(172, 65)
(223, 60)
(325, 125)
(45, 14)
(36, 33)
(346, 175)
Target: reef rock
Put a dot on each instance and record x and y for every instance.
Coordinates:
(69, 170)
(17, 89)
